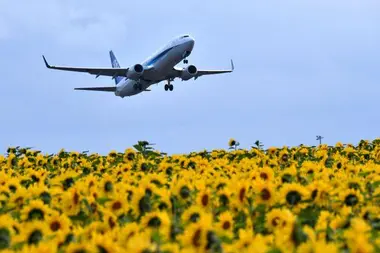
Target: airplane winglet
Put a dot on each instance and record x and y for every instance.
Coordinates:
(46, 63)
(232, 65)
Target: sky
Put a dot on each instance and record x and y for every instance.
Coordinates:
(302, 68)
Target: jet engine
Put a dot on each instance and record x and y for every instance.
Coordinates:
(135, 72)
(189, 72)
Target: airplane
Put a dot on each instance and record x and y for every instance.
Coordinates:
(139, 77)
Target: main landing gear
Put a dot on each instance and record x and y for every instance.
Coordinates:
(169, 86)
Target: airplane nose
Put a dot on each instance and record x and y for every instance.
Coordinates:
(191, 43)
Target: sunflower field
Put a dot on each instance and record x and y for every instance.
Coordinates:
(318, 199)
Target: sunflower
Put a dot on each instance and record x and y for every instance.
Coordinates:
(266, 174)
(71, 202)
(36, 209)
(157, 221)
(265, 193)
(195, 236)
(182, 189)
(107, 184)
(350, 197)
(147, 186)
(141, 202)
(130, 155)
(224, 197)
(33, 232)
(293, 194)
(320, 193)
(128, 231)
(225, 225)
(164, 201)
(280, 219)
(118, 205)
(232, 142)
(109, 218)
(204, 199)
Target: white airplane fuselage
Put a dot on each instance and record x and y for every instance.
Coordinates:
(162, 62)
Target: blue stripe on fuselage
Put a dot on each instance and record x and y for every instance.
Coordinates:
(159, 56)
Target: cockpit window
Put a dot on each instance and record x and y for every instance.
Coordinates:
(185, 36)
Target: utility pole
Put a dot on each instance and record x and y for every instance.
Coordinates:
(320, 139)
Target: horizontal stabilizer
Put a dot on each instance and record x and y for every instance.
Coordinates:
(108, 89)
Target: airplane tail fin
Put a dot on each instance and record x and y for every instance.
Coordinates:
(115, 64)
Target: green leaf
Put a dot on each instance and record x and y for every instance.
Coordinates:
(309, 216)
(298, 235)
(138, 148)
(274, 251)
(103, 200)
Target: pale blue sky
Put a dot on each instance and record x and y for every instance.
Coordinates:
(303, 68)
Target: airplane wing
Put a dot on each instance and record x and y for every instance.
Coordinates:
(114, 72)
(106, 89)
(206, 72)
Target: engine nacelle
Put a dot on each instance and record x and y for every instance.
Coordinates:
(135, 72)
(189, 72)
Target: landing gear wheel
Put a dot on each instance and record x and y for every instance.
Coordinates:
(166, 87)
(171, 87)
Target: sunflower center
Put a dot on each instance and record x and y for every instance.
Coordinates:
(226, 225)
(131, 157)
(5, 238)
(185, 192)
(55, 225)
(12, 188)
(144, 205)
(108, 186)
(194, 217)
(242, 194)
(116, 205)
(111, 222)
(154, 222)
(351, 200)
(76, 198)
(102, 249)
(68, 183)
(36, 213)
(285, 158)
(205, 200)
(197, 238)
(275, 221)
(314, 193)
(265, 194)
(339, 165)
(169, 171)
(223, 199)
(264, 175)
(293, 197)
(144, 167)
(45, 197)
(162, 206)
(35, 237)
